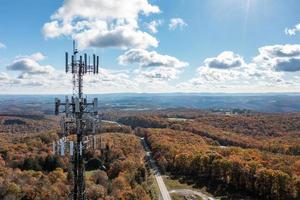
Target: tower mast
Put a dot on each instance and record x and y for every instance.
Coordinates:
(80, 117)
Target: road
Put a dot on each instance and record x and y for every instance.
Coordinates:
(162, 187)
(165, 194)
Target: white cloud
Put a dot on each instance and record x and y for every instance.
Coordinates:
(225, 60)
(275, 68)
(37, 56)
(102, 23)
(217, 76)
(4, 78)
(32, 77)
(279, 57)
(288, 65)
(108, 78)
(60, 82)
(153, 65)
(147, 59)
(287, 50)
(229, 70)
(152, 26)
(2, 46)
(54, 29)
(122, 36)
(57, 79)
(102, 9)
(159, 73)
(177, 23)
(292, 31)
(30, 65)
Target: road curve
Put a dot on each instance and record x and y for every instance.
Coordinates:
(162, 187)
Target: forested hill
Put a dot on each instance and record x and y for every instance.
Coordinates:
(255, 102)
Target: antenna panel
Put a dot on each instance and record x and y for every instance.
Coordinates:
(67, 106)
(80, 148)
(94, 63)
(63, 127)
(94, 142)
(95, 105)
(71, 148)
(97, 68)
(85, 63)
(57, 104)
(77, 106)
(73, 65)
(93, 127)
(67, 62)
(53, 148)
(62, 147)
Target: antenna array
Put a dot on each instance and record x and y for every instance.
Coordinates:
(79, 117)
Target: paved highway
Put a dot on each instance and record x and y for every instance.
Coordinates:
(162, 187)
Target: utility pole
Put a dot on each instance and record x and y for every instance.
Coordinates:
(79, 117)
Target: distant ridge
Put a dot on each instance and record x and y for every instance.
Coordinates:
(267, 102)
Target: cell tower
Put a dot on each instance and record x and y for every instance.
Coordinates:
(79, 117)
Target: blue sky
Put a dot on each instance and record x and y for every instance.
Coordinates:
(153, 46)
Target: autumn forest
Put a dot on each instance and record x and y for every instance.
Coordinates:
(255, 155)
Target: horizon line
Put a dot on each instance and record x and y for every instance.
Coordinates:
(154, 93)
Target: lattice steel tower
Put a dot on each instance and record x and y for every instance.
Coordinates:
(79, 117)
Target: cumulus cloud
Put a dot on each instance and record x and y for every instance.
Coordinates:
(159, 73)
(121, 37)
(55, 29)
(4, 77)
(30, 65)
(59, 82)
(152, 26)
(177, 23)
(25, 72)
(153, 65)
(229, 70)
(279, 58)
(146, 59)
(2, 46)
(288, 65)
(6, 80)
(102, 23)
(293, 30)
(114, 9)
(106, 76)
(214, 75)
(225, 60)
(37, 56)
(287, 50)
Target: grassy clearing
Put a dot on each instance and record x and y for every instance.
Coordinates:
(177, 197)
(180, 197)
(173, 184)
